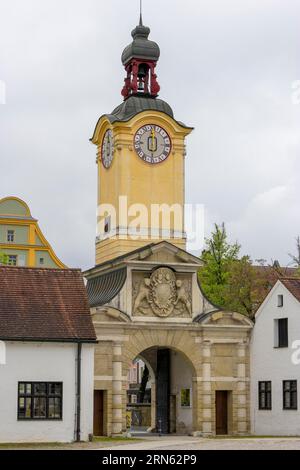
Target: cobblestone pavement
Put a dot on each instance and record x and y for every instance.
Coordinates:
(192, 443)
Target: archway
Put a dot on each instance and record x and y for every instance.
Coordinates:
(162, 382)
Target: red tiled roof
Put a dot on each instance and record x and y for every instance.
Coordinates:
(293, 285)
(44, 304)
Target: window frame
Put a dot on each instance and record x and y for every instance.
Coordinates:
(10, 234)
(32, 395)
(294, 406)
(267, 407)
(280, 300)
(277, 343)
(8, 260)
(182, 397)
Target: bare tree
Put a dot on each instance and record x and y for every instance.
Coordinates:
(296, 258)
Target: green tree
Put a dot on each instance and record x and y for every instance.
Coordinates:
(218, 258)
(242, 291)
(3, 259)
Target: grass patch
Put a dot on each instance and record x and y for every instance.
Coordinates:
(254, 437)
(65, 445)
(25, 445)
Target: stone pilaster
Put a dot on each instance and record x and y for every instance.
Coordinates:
(117, 392)
(206, 407)
(241, 395)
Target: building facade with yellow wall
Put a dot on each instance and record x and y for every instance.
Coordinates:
(22, 242)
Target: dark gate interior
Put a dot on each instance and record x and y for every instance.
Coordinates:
(163, 391)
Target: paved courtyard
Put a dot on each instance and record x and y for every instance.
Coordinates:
(192, 443)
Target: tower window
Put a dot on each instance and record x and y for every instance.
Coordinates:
(10, 236)
(42, 260)
(281, 333)
(107, 224)
(280, 301)
(12, 260)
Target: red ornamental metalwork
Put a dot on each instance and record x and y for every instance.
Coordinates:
(141, 78)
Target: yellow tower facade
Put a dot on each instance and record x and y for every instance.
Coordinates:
(141, 161)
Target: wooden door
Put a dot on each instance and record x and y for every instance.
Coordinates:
(222, 412)
(98, 412)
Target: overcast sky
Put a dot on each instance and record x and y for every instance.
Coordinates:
(227, 69)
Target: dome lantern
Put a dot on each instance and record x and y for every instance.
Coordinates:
(139, 59)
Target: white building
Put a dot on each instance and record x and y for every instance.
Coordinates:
(46, 356)
(275, 362)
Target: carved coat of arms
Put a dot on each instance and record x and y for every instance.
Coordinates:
(162, 292)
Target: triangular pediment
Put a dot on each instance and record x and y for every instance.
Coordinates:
(163, 252)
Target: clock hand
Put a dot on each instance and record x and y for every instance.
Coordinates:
(153, 137)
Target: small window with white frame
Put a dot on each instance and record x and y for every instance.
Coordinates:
(12, 260)
(10, 236)
(280, 300)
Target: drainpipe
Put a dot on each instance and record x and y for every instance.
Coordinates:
(78, 392)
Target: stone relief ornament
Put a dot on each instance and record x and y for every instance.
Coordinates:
(162, 294)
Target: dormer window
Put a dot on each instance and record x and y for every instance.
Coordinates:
(280, 301)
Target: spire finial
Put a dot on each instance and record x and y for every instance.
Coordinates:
(141, 12)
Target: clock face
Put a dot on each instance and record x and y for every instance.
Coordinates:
(152, 143)
(107, 149)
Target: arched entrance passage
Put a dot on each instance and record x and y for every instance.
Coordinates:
(173, 373)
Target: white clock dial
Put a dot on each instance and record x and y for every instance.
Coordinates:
(152, 143)
(107, 149)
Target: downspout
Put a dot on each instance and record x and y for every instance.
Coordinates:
(78, 392)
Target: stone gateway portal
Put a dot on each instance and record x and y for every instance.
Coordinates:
(145, 298)
(205, 352)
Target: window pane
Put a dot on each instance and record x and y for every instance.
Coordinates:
(28, 408)
(39, 389)
(28, 389)
(185, 397)
(39, 407)
(24, 408)
(22, 388)
(287, 385)
(283, 332)
(54, 389)
(287, 400)
(54, 408)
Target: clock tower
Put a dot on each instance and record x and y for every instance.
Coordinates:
(140, 160)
